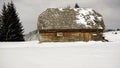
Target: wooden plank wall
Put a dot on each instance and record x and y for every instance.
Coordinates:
(67, 36)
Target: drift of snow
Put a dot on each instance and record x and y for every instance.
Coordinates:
(111, 36)
(62, 55)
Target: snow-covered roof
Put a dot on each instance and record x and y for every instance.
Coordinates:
(70, 18)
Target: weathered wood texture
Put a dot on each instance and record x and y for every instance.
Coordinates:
(54, 18)
(65, 25)
(69, 36)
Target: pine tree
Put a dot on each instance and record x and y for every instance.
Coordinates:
(11, 29)
(77, 6)
(0, 21)
(3, 19)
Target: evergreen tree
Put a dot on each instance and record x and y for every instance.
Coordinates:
(3, 19)
(0, 21)
(11, 29)
(77, 6)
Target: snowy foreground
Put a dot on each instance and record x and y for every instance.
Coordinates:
(62, 55)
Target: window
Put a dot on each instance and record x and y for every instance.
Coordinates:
(59, 34)
(94, 34)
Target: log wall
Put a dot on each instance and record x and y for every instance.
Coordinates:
(69, 36)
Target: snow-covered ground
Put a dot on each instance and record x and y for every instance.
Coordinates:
(62, 55)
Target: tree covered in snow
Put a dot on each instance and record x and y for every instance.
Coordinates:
(77, 6)
(11, 29)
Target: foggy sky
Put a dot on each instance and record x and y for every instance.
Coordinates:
(29, 10)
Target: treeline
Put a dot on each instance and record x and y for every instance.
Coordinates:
(107, 30)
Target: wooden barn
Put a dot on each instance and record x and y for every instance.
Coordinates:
(70, 24)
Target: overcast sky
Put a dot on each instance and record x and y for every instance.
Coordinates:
(29, 10)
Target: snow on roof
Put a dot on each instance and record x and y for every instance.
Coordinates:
(72, 18)
(86, 15)
(61, 9)
(99, 18)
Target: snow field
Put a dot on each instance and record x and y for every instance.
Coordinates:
(62, 55)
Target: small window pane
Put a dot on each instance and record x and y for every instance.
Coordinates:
(59, 34)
